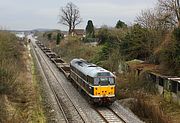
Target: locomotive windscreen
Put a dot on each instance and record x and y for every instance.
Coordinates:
(103, 81)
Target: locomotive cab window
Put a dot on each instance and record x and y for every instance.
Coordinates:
(96, 81)
(111, 81)
(90, 80)
(103, 81)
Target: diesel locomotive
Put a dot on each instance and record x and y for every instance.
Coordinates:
(97, 83)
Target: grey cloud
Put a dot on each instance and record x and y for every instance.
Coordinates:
(29, 14)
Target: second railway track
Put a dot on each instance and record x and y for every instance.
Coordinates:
(109, 116)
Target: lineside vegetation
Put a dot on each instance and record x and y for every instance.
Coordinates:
(19, 96)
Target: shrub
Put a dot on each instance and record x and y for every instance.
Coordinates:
(72, 47)
(10, 63)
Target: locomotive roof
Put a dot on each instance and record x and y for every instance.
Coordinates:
(88, 68)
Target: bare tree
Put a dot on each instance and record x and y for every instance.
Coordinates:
(147, 19)
(171, 8)
(70, 16)
(156, 19)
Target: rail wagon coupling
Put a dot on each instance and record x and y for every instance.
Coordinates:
(51, 55)
(65, 68)
(58, 60)
(47, 50)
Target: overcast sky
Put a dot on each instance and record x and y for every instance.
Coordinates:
(32, 14)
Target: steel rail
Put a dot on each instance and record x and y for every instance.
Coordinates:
(117, 115)
(53, 91)
(105, 117)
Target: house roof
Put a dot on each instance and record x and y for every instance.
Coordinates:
(79, 31)
(64, 32)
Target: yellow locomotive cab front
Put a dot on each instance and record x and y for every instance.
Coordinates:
(104, 91)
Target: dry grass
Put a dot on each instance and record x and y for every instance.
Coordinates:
(150, 107)
(19, 97)
(72, 47)
(171, 109)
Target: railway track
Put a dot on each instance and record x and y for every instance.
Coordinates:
(53, 91)
(66, 103)
(109, 116)
(67, 116)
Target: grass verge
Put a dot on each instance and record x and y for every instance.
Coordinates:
(148, 105)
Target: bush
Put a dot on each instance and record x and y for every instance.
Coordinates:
(10, 63)
(176, 33)
(72, 47)
(138, 43)
(168, 53)
(89, 40)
